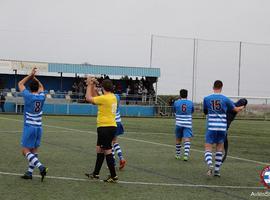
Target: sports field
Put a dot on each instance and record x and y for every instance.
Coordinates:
(68, 149)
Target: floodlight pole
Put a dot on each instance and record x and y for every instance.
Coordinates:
(151, 50)
(239, 68)
(194, 70)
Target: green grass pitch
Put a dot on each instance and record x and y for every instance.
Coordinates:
(68, 149)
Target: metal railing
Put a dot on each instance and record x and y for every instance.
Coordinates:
(71, 97)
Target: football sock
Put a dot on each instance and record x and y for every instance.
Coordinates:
(218, 160)
(178, 149)
(187, 148)
(31, 167)
(208, 157)
(110, 163)
(118, 150)
(33, 160)
(99, 162)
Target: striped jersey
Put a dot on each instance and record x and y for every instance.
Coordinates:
(183, 109)
(118, 116)
(216, 107)
(33, 104)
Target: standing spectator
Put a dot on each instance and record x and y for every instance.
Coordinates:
(75, 87)
(127, 94)
(81, 88)
(2, 102)
(144, 94)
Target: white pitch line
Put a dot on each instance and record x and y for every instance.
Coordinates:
(144, 183)
(195, 135)
(142, 141)
(142, 133)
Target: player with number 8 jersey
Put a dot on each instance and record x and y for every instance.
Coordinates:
(32, 131)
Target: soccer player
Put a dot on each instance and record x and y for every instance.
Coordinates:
(120, 130)
(32, 131)
(106, 126)
(230, 117)
(215, 106)
(183, 109)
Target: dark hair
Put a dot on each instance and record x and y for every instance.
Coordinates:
(33, 85)
(107, 85)
(183, 93)
(218, 85)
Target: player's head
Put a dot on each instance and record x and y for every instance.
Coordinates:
(217, 85)
(33, 85)
(183, 93)
(241, 102)
(107, 85)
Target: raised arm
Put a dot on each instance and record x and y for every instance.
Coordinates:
(22, 83)
(91, 89)
(40, 86)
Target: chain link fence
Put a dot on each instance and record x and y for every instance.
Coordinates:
(195, 64)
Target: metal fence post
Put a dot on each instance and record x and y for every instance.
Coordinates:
(239, 68)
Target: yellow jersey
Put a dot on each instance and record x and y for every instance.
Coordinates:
(107, 105)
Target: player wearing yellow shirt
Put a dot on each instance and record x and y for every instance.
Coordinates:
(106, 126)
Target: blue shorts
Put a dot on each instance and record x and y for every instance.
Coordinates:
(120, 129)
(215, 137)
(31, 136)
(183, 132)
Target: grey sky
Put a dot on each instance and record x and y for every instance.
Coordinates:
(117, 32)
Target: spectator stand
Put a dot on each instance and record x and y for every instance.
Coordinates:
(65, 83)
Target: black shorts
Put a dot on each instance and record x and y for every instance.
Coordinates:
(105, 136)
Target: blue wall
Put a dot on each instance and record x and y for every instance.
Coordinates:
(88, 109)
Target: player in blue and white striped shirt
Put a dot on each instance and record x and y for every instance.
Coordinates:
(120, 130)
(183, 109)
(32, 131)
(215, 106)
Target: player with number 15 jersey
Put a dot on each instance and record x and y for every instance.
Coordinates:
(215, 106)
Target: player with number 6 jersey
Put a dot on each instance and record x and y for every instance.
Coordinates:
(183, 109)
(32, 131)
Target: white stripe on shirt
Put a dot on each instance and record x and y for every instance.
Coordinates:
(177, 116)
(216, 129)
(217, 124)
(217, 120)
(33, 122)
(183, 122)
(34, 115)
(34, 118)
(184, 119)
(217, 115)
